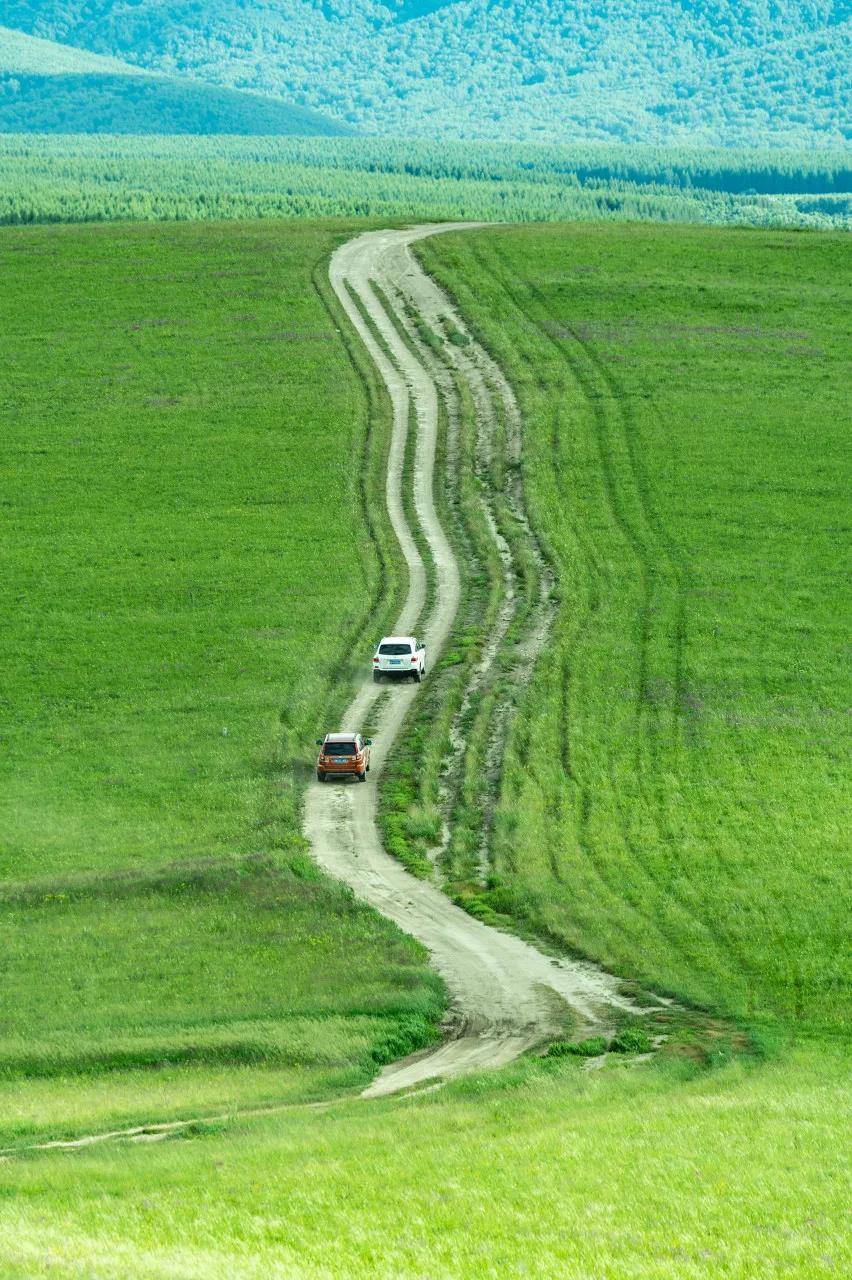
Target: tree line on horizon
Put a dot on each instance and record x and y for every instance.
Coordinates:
(49, 178)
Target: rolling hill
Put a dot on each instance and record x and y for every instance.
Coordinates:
(47, 87)
(713, 72)
(182, 427)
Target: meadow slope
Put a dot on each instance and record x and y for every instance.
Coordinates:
(180, 414)
(653, 456)
(672, 800)
(541, 1169)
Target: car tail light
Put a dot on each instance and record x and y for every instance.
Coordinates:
(414, 657)
(375, 659)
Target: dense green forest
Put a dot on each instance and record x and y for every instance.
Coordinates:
(727, 72)
(92, 178)
(47, 87)
(147, 104)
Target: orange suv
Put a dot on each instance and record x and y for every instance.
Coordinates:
(343, 755)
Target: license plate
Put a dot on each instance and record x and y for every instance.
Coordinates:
(396, 662)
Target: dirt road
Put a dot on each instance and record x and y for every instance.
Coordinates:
(505, 994)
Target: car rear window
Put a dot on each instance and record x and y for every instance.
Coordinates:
(339, 748)
(394, 650)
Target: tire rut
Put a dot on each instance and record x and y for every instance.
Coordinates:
(526, 608)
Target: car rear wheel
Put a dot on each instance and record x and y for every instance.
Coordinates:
(377, 677)
(320, 776)
(416, 677)
(362, 777)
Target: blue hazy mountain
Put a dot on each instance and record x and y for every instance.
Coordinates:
(700, 71)
(47, 87)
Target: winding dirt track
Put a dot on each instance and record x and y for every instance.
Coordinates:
(505, 994)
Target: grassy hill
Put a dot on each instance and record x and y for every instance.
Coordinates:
(671, 801)
(178, 411)
(179, 417)
(710, 72)
(539, 1168)
(47, 87)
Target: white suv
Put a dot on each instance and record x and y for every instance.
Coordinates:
(399, 656)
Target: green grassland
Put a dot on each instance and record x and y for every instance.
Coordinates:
(673, 800)
(541, 1169)
(185, 576)
(169, 564)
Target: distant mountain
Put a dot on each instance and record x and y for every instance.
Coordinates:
(747, 72)
(20, 52)
(46, 87)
